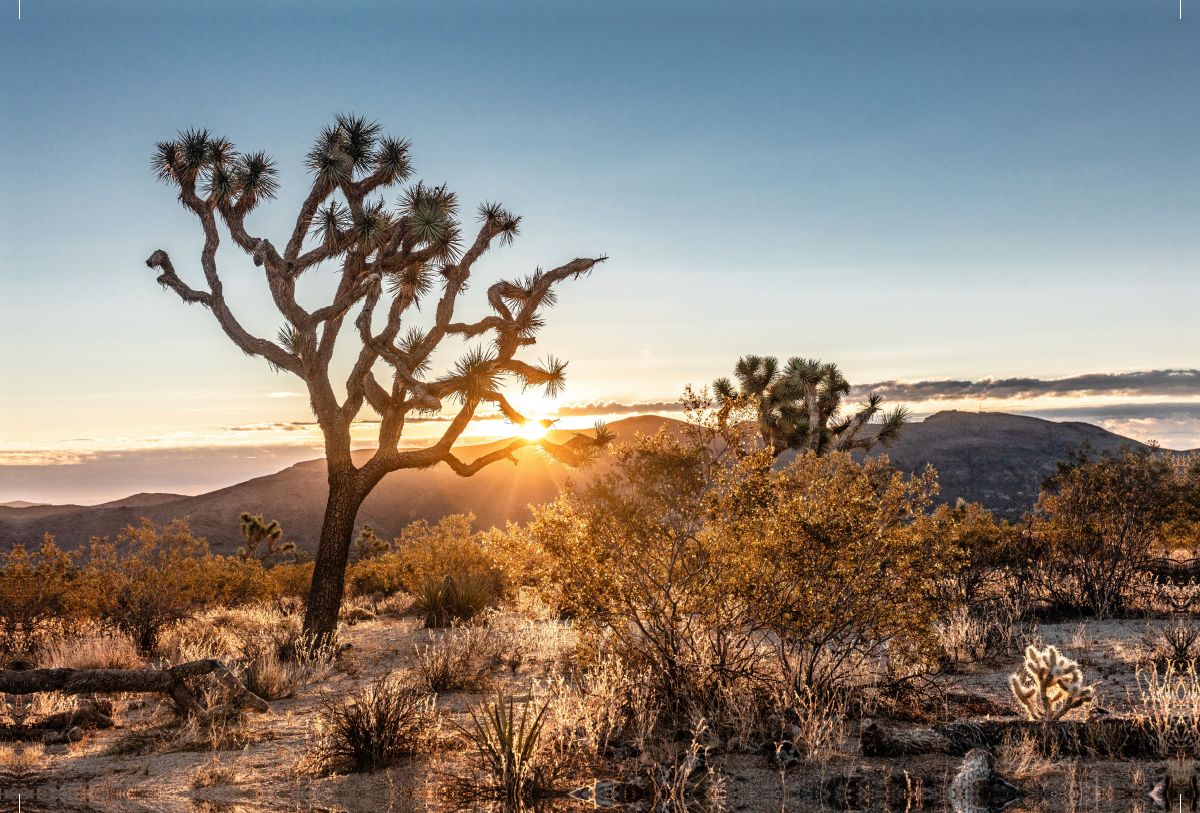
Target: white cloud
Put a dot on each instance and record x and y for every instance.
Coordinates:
(285, 395)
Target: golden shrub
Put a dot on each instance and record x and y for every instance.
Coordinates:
(450, 548)
(290, 579)
(381, 574)
(39, 595)
(156, 575)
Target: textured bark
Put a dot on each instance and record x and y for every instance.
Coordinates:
(108, 681)
(333, 551)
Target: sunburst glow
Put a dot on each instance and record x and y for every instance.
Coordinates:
(532, 430)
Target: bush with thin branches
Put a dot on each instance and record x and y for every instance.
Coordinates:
(385, 721)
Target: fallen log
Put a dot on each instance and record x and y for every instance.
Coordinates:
(170, 681)
(1107, 736)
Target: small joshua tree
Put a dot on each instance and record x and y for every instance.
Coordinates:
(368, 545)
(1049, 684)
(800, 406)
(257, 532)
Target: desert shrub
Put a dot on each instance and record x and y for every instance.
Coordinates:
(449, 548)
(376, 726)
(154, 576)
(649, 566)
(985, 554)
(696, 561)
(376, 575)
(459, 659)
(522, 562)
(38, 594)
(229, 582)
(290, 579)
(1098, 524)
(456, 597)
(846, 569)
(116, 651)
(1176, 644)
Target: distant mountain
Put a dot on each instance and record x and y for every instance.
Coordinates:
(995, 459)
(296, 497)
(991, 458)
(20, 504)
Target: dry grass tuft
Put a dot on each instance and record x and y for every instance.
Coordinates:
(21, 760)
(215, 772)
(459, 659)
(1168, 706)
(1021, 758)
(116, 651)
(815, 724)
(375, 727)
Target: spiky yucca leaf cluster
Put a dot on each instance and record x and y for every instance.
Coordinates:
(1049, 684)
(258, 532)
(508, 747)
(227, 177)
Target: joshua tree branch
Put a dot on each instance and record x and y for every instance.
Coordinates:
(316, 196)
(845, 440)
(249, 344)
(168, 278)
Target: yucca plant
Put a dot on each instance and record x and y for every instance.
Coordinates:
(507, 747)
(453, 598)
(257, 532)
(388, 259)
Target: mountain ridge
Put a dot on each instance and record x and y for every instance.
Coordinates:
(996, 459)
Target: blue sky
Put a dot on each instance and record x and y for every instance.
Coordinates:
(917, 191)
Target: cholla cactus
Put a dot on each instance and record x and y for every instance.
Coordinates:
(1050, 684)
(257, 532)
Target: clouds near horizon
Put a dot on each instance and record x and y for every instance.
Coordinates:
(1146, 383)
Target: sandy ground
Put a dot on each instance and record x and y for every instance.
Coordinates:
(266, 765)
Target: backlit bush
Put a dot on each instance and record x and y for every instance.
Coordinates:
(1099, 523)
(450, 548)
(378, 575)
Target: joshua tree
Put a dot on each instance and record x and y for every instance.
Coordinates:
(800, 406)
(257, 532)
(388, 261)
(369, 546)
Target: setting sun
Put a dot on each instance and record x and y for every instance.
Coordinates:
(532, 430)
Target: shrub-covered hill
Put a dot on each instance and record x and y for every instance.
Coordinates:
(994, 459)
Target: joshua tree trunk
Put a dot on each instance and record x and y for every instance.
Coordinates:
(333, 551)
(390, 260)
